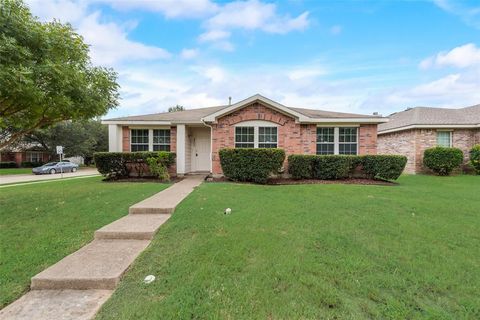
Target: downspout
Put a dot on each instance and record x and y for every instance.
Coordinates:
(211, 144)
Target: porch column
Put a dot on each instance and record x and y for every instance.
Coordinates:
(181, 137)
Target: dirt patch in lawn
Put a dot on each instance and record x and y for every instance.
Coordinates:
(286, 181)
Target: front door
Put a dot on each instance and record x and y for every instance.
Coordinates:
(200, 149)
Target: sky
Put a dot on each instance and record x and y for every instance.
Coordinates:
(348, 56)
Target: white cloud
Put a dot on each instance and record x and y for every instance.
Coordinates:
(109, 43)
(189, 53)
(461, 57)
(336, 30)
(214, 35)
(469, 14)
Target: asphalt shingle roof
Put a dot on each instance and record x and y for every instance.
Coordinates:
(432, 116)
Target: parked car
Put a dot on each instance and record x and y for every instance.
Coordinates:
(56, 167)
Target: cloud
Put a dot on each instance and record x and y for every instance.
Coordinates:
(109, 43)
(169, 8)
(251, 15)
(460, 57)
(189, 53)
(336, 30)
(469, 14)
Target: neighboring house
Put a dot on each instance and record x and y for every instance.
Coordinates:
(412, 131)
(24, 152)
(257, 122)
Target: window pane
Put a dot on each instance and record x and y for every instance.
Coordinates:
(325, 140)
(444, 138)
(325, 148)
(139, 140)
(267, 137)
(347, 148)
(161, 147)
(139, 147)
(347, 134)
(244, 137)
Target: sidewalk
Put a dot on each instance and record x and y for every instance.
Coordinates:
(78, 285)
(19, 178)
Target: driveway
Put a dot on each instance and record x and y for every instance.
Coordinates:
(18, 178)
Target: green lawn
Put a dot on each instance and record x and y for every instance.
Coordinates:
(5, 171)
(42, 223)
(410, 251)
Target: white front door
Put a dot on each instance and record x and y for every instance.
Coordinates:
(200, 149)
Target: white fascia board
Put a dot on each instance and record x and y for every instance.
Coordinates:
(213, 117)
(431, 126)
(346, 120)
(136, 122)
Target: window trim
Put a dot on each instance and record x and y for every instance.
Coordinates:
(450, 137)
(150, 137)
(255, 124)
(169, 144)
(336, 137)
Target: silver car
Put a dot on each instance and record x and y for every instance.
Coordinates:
(55, 167)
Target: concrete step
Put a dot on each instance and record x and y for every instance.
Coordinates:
(133, 226)
(56, 305)
(166, 200)
(98, 265)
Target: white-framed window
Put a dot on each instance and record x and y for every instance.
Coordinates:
(34, 156)
(325, 140)
(337, 140)
(444, 138)
(256, 134)
(138, 140)
(161, 139)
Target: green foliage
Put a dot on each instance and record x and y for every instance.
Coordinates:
(157, 168)
(8, 164)
(176, 108)
(78, 138)
(29, 164)
(383, 167)
(250, 164)
(442, 160)
(46, 75)
(328, 167)
(475, 158)
(116, 165)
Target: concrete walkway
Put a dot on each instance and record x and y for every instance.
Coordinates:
(18, 178)
(78, 285)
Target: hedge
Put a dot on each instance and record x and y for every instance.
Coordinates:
(116, 165)
(442, 160)
(8, 164)
(332, 167)
(475, 158)
(29, 164)
(248, 164)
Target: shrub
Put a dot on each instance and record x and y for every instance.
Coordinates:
(157, 168)
(116, 165)
(442, 160)
(383, 167)
(28, 164)
(327, 167)
(475, 158)
(249, 164)
(8, 164)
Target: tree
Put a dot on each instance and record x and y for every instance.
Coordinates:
(79, 138)
(46, 75)
(176, 108)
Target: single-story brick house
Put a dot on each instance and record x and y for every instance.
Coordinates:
(24, 153)
(257, 122)
(412, 131)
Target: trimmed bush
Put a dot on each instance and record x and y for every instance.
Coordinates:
(8, 164)
(28, 164)
(383, 167)
(116, 165)
(442, 160)
(250, 164)
(475, 158)
(328, 167)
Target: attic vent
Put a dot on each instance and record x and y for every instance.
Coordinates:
(229, 101)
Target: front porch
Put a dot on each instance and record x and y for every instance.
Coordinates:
(193, 148)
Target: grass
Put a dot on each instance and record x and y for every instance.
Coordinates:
(313, 252)
(42, 223)
(7, 171)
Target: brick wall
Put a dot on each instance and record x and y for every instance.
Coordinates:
(413, 143)
(367, 139)
(125, 139)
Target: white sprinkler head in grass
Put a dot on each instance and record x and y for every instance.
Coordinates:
(149, 279)
(228, 211)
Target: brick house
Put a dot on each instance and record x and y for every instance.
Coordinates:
(24, 153)
(412, 131)
(257, 122)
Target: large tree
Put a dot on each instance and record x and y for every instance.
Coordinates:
(46, 75)
(176, 108)
(79, 138)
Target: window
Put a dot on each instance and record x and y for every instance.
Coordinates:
(267, 137)
(325, 141)
(244, 137)
(444, 138)
(33, 156)
(161, 140)
(347, 141)
(139, 140)
(342, 140)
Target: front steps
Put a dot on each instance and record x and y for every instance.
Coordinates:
(133, 227)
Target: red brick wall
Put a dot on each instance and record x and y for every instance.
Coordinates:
(292, 137)
(125, 139)
(173, 148)
(367, 139)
